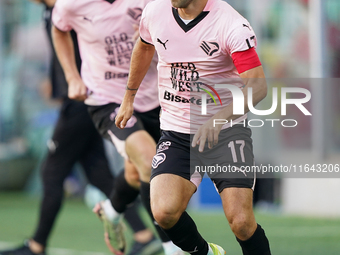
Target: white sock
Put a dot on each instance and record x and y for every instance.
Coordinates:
(110, 212)
(169, 247)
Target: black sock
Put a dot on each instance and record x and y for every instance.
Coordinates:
(186, 236)
(123, 194)
(132, 216)
(257, 244)
(145, 196)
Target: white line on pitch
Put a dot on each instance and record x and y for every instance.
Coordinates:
(54, 251)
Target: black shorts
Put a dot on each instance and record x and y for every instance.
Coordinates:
(104, 116)
(224, 163)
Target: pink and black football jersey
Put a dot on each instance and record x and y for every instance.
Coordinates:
(105, 33)
(193, 58)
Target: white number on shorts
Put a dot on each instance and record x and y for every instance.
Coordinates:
(231, 145)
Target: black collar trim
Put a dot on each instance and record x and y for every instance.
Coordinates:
(192, 23)
(110, 1)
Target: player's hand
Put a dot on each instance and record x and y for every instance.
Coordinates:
(77, 89)
(207, 133)
(124, 114)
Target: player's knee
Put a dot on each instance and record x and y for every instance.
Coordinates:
(241, 226)
(145, 175)
(166, 217)
(141, 148)
(144, 167)
(132, 178)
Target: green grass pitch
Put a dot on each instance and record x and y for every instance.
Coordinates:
(78, 231)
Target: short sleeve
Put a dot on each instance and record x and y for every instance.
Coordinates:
(144, 27)
(61, 15)
(240, 37)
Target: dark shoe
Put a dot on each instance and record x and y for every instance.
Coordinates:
(154, 246)
(23, 250)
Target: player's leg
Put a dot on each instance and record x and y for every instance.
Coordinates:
(112, 210)
(95, 164)
(65, 147)
(136, 142)
(121, 198)
(98, 173)
(151, 124)
(131, 174)
(145, 241)
(172, 186)
(170, 195)
(236, 188)
(53, 192)
(69, 139)
(237, 205)
(121, 190)
(125, 190)
(126, 187)
(141, 149)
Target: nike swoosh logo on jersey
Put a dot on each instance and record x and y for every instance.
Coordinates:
(163, 43)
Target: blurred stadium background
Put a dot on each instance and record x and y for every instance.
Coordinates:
(297, 39)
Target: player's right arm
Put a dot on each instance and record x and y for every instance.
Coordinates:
(140, 62)
(64, 48)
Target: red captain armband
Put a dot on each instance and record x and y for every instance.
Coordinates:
(246, 60)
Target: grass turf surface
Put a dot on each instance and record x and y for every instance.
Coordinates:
(78, 230)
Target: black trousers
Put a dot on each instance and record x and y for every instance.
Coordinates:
(75, 139)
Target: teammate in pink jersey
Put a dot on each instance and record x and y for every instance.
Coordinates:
(106, 31)
(200, 43)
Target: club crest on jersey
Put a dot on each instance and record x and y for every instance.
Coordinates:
(158, 159)
(209, 47)
(164, 146)
(135, 13)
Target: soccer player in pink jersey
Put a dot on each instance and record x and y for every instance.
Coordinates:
(200, 43)
(106, 31)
